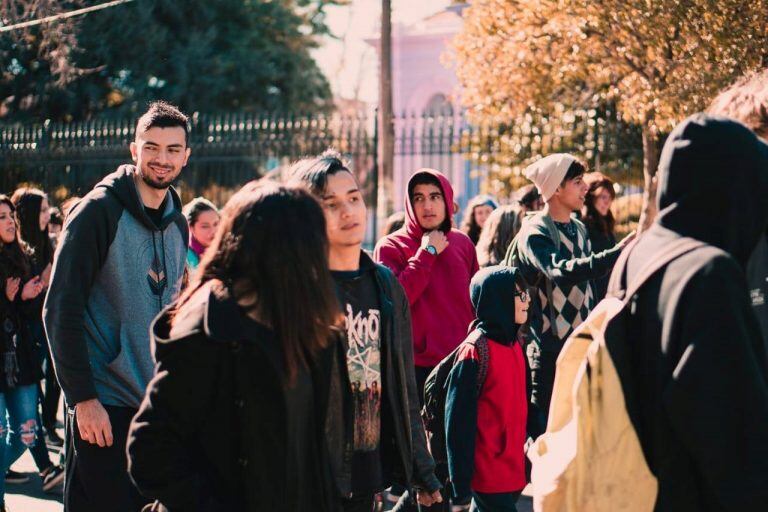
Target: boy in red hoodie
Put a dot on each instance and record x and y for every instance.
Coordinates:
(435, 264)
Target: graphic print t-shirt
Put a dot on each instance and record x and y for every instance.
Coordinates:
(362, 317)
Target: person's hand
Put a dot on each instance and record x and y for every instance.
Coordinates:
(627, 239)
(32, 288)
(93, 422)
(45, 275)
(427, 499)
(12, 287)
(436, 238)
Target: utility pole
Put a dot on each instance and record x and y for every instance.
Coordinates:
(386, 132)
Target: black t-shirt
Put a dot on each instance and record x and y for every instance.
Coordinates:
(362, 312)
(156, 214)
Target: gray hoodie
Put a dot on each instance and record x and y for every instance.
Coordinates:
(113, 272)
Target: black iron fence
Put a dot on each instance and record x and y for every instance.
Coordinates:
(231, 149)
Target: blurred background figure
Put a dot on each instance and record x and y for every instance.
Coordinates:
(597, 216)
(203, 218)
(529, 199)
(499, 230)
(55, 224)
(478, 210)
(394, 222)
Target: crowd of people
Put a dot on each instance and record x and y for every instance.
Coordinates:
(258, 358)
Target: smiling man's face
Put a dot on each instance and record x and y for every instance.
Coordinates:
(160, 154)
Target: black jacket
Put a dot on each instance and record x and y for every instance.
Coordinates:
(211, 431)
(693, 370)
(405, 457)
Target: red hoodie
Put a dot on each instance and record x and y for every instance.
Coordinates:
(437, 286)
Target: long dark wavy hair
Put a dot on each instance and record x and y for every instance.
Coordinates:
(500, 228)
(469, 225)
(271, 252)
(28, 203)
(14, 257)
(590, 216)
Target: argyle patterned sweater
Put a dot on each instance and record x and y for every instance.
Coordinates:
(570, 270)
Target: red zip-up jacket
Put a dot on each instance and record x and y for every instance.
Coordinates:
(436, 286)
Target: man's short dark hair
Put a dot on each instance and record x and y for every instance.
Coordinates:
(576, 169)
(161, 114)
(314, 172)
(423, 178)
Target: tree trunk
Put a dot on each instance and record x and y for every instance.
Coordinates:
(386, 147)
(650, 164)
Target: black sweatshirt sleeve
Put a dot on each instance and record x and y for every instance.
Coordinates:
(423, 464)
(461, 423)
(81, 252)
(163, 461)
(717, 401)
(539, 251)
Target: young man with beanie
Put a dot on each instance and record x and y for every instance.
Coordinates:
(378, 440)
(119, 261)
(560, 269)
(692, 366)
(747, 101)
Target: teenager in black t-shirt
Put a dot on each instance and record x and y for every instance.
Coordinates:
(382, 395)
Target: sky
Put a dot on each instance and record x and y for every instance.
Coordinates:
(349, 62)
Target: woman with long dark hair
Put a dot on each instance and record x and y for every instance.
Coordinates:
(597, 216)
(19, 364)
(477, 211)
(499, 230)
(234, 418)
(33, 219)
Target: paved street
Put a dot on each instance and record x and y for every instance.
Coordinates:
(30, 497)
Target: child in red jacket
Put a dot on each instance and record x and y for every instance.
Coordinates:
(486, 428)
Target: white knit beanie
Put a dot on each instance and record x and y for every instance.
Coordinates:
(548, 173)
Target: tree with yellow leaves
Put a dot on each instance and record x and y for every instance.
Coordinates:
(657, 61)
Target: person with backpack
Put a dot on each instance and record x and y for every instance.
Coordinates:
(380, 441)
(553, 254)
(693, 366)
(486, 400)
(746, 101)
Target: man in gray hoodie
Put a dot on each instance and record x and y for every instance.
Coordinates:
(119, 261)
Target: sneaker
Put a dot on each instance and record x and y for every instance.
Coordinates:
(12, 477)
(52, 477)
(53, 439)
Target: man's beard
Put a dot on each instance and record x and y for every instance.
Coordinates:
(146, 178)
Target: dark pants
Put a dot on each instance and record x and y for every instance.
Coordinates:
(358, 504)
(441, 471)
(97, 478)
(542, 364)
(494, 502)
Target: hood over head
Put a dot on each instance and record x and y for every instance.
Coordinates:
(492, 292)
(121, 184)
(713, 184)
(411, 223)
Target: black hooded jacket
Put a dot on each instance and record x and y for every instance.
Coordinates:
(694, 374)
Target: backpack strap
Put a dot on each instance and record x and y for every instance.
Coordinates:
(481, 345)
(617, 286)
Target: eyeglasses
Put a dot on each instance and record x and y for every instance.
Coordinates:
(524, 296)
